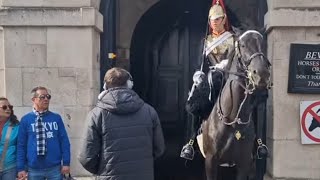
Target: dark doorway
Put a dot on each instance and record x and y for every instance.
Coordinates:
(107, 38)
(162, 61)
(165, 51)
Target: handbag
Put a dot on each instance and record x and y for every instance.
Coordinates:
(68, 177)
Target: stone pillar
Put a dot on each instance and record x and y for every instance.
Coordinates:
(56, 44)
(288, 22)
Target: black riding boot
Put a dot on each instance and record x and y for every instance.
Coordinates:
(262, 150)
(187, 151)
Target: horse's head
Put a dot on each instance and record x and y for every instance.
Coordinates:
(257, 66)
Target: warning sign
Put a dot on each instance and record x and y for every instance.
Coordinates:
(310, 122)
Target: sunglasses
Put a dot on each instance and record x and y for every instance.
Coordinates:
(5, 107)
(43, 96)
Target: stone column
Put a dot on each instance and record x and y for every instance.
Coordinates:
(56, 44)
(288, 22)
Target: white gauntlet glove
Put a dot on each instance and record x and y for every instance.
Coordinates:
(198, 77)
(222, 64)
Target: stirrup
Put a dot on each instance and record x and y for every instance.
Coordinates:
(187, 151)
(262, 150)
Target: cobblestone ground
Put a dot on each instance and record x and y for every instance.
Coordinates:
(92, 178)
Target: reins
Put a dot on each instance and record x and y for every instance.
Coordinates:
(212, 68)
(247, 89)
(223, 117)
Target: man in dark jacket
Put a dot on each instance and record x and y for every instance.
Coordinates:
(124, 134)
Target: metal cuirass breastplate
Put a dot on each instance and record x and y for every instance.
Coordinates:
(220, 52)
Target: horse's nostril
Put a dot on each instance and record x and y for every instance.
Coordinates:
(254, 71)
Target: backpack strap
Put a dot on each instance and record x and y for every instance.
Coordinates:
(5, 146)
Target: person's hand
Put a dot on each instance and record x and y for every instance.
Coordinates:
(65, 170)
(22, 175)
(198, 77)
(222, 64)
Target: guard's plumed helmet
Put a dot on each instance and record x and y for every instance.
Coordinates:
(216, 11)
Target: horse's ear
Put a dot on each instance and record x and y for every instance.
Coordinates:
(237, 31)
(262, 30)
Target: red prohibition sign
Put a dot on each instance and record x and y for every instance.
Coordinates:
(303, 120)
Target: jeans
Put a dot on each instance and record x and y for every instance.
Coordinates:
(53, 173)
(9, 174)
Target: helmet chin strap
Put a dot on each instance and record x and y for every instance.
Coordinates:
(221, 27)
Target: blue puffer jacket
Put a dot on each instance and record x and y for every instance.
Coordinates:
(11, 155)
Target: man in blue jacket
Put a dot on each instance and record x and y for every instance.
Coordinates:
(43, 145)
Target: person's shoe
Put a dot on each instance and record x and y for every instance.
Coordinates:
(262, 152)
(187, 151)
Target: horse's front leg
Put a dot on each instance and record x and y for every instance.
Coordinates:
(242, 176)
(245, 168)
(211, 164)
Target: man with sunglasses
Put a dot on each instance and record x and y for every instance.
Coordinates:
(43, 143)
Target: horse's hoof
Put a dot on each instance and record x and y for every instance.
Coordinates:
(187, 152)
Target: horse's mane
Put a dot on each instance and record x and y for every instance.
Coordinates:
(248, 32)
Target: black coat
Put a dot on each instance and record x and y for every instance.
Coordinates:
(123, 137)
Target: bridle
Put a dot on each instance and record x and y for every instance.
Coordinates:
(254, 55)
(249, 86)
(245, 63)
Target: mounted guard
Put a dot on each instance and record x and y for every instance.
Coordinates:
(218, 48)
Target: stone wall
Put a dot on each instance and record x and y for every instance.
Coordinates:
(2, 78)
(289, 22)
(51, 3)
(55, 44)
